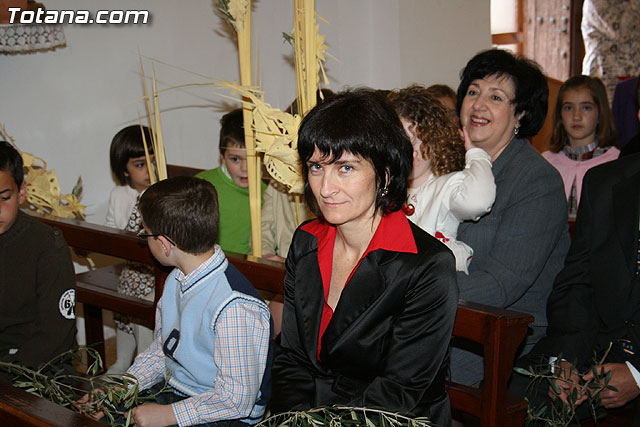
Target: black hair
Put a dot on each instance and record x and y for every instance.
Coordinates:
(531, 86)
(127, 144)
(184, 209)
(231, 130)
(11, 161)
(321, 96)
(361, 122)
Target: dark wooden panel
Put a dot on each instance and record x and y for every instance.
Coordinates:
(541, 140)
(175, 170)
(263, 274)
(19, 408)
(507, 38)
(100, 238)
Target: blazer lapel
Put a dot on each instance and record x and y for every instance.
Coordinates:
(626, 199)
(312, 300)
(365, 286)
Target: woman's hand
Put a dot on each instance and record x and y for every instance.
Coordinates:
(468, 144)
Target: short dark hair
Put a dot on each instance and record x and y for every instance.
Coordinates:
(361, 122)
(11, 161)
(321, 96)
(441, 91)
(531, 86)
(185, 209)
(127, 144)
(231, 130)
(606, 128)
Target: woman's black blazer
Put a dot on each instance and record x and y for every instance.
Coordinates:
(387, 342)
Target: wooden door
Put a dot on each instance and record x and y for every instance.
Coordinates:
(552, 36)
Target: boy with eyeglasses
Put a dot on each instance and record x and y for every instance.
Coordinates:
(213, 330)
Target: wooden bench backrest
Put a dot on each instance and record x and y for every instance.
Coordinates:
(19, 408)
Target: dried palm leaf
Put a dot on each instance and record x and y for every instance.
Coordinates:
(155, 124)
(234, 12)
(275, 135)
(43, 189)
(238, 14)
(310, 53)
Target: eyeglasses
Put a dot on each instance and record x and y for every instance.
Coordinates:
(144, 236)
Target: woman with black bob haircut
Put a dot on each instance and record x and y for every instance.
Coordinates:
(520, 245)
(385, 147)
(370, 299)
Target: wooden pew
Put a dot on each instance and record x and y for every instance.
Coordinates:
(19, 408)
(500, 332)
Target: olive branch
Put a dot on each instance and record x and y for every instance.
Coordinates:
(335, 416)
(57, 381)
(561, 413)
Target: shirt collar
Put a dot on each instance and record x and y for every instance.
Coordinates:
(393, 234)
(215, 261)
(225, 171)
(584, 152)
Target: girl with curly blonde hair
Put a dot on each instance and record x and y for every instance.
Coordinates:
(447, 185)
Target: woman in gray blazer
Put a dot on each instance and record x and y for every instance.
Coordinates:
(519, 246)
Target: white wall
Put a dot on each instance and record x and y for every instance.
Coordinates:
(66, 105)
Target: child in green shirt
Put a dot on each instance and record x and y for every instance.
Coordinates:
(232, 184)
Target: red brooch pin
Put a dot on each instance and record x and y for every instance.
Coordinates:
(408, 209)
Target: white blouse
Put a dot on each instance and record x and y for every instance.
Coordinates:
(121, 202)
(442, 203)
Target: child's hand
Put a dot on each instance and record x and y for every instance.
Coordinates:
(85, 405)
(468, 144)
(152, 414)
(273, 257)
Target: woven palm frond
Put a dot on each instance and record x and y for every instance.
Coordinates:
(275, 134)
(43, 191)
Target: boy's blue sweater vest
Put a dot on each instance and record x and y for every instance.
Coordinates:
(188, 328)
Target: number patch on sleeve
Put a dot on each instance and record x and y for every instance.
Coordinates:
(67, 304)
